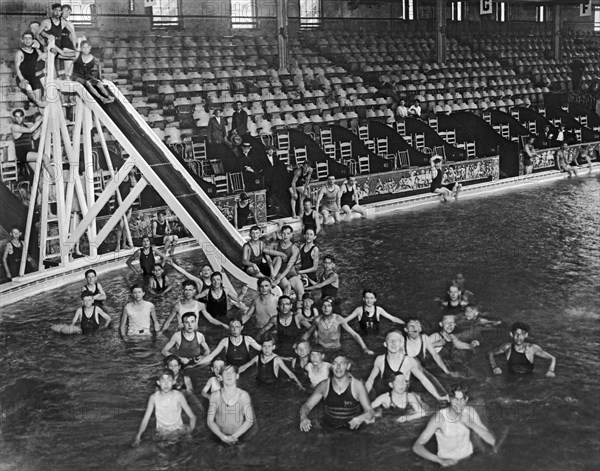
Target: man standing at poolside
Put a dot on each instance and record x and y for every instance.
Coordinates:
(137, 315)
(331, 195)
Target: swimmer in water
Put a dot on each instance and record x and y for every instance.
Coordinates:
(167, 404)
(417, 345)
(318, 370)
(299, 363)
(92, 285)
(445, 340)
(188, 344)
(369, 313)
(452, 428)
(159, 283)
(472, 325)
(345, 399)
(88, 315)
(138, 315)
(214, 382)
(396, 361)
(520, 354)
(399, 399)
(236, 346)
(230, 413)
(264, 306)
(269, 364)
(182, 382)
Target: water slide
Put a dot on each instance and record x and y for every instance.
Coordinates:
(218, 239)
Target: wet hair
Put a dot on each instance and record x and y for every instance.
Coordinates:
(86, 294)
(255, 228)
(328, 299)
(449, 315)
(146, 237)
(310, 229)
(307, 295)
(306, 200)
(215, 274)
(233, 367)
(456, 388)
(56, 5)
(301, 341)
(330, 257)
(367, 291)
(188, 283)
(318, 348)
(282, 298)
(185, 315)
(135, 287)
(343, 354)
(18, 110)
(84, 43)
(287, 227)
(393, 331)
(262, 279)
(170, 358)
(519, 325)
(166, 372)
(269, 337)
(27, 33)
(215, 360)
(91, 270)
(236, 319)
(204, 266)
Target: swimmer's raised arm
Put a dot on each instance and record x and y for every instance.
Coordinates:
(388, 316)
(470, 419)
(135, 255)
(363, 397)
(105, 316)
(418, 372)
(77, 316)
(251, 363)
(312, 401)
(382, 400)
(437, 358)
(356, 337)
(417, 408)
(377, 368)
(354, 314)
(250, 312)
(208, 387)
(210, 318)
(280, 364)
(174, 312)
(538, 351)
(218, 349)
(145, 420)
(492, 357)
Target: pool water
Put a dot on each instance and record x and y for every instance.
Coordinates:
(530, 255)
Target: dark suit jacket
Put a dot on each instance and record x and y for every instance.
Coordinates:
(239, 122)
(216, 131)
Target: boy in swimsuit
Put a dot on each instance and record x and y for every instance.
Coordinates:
(317, 369)
(146, 256)
(349, 198)
(396, 361)
(285, 255)
(94, 287)
(159, 284)
(437, 177)
(87, 72)
(255, 258)
(309, 217)
(269, 364)
(331, 195)
(445, 339)
(409, 403)
(182, 382)
(88, 315)
(344, 398)
(417, 345)
(230, 412)
(214, 382)
(189, 304)
(236, 347)
(299, 363)
(328, 281)
(369, 314)
(308, 309)
(452, 428)
(188, 342)
(167, 404)
(472, 325)
(264, 306)
(161, 233)
(520, 354)
(300, 184)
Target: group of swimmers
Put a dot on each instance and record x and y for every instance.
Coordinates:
(302, 342)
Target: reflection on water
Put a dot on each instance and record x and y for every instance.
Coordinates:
(76, 402)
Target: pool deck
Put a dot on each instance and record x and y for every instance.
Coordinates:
(57, 277)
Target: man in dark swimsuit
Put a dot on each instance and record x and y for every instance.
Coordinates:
(216, 296)
(286, 254)
(24, 137)
(13, 253)
(254, 255)
(161, 233)
(30, 78)
(309, 217)
(188, 342)
(520, 354)
(236, 346)
(64, 36)
(343, 398)
(86, 71)
(309, 257)
(349, 198)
